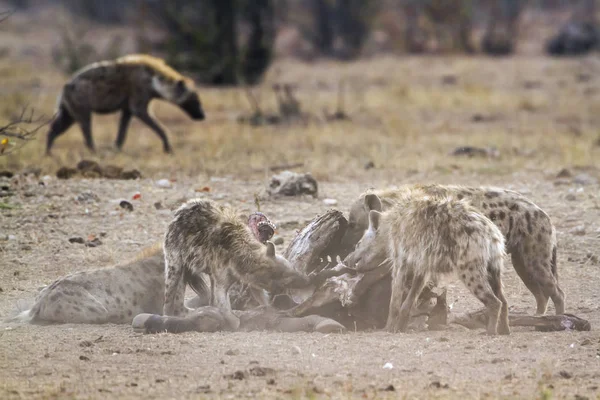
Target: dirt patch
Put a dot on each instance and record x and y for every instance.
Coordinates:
(111, 360)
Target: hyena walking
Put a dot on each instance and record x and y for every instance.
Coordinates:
(127, 84)
(207, 238)
(529, 233)
(426, 237)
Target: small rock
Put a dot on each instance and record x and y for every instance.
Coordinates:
(88, 165)
(93, 243)
(158, 205)
(288, 183)
(584, 179)
(163, 183)
(296, 350)
(231, 352)
(270, 381)
(66, 173)
(388, 365)
(570, 197)
(6, 174)
(87, 197)
(131, 174)
(237, 375)
(449, 80)
(124, 204)
(369, 165)
(11, 237)
(438, 385)
(389, 388)
(112, 172)
(159, 380)
(564, 173)
(471, 151)
(330, 202)
(86, 343)
(578, 230)
(203, 389)
(84, 358)
(565, 374)
(76, 239)
(277, 240)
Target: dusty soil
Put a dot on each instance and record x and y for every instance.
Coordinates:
(111, 361)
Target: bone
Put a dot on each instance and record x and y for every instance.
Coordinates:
(211, 319)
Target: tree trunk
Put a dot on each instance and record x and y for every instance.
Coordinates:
(226, 42)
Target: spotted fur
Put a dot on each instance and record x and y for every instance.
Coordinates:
(426, 237)
(127, 84)
(207, 238)
(528, 231)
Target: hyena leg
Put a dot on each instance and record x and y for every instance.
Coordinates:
(399, 293)
(530, 282)
(260, 295)
(495, 280)
(220, 292)
(418, 283)
(123, 127)
(174, 289)
(478, 283)
(147, 119)
(85, 122)
(61, 123)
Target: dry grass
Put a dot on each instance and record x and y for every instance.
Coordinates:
(407, 114)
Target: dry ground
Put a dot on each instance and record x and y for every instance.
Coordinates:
(406, 114)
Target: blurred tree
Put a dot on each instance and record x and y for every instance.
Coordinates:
(502, 29)
(336, 28)
(204, 37)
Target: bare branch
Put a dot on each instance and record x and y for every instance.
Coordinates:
(16, 133)
(5, 14)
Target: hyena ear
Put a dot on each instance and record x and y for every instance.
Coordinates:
(374, 219)
(372, 202)
(270, 249)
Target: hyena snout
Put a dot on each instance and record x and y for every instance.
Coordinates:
(193, 108)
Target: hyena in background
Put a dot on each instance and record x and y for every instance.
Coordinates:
(117, 294)
(529, 233)
(126, 84)
(427, 237)
(207, 238)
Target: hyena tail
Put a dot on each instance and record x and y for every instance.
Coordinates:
(62, 121)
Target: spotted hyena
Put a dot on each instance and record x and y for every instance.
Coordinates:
(117, 294)
(126, 84)
(427, 237)
(207, 238)
(529, 233)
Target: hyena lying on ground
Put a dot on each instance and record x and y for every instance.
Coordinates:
(116, 294)
(426, 237)
(126, 84)
(529, 233)
(205, 238)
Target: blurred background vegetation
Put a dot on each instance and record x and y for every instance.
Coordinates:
(229, 42)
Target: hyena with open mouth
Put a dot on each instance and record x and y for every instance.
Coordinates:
(127, 84)
(205, 238)
(427, 237)
(529, 233)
